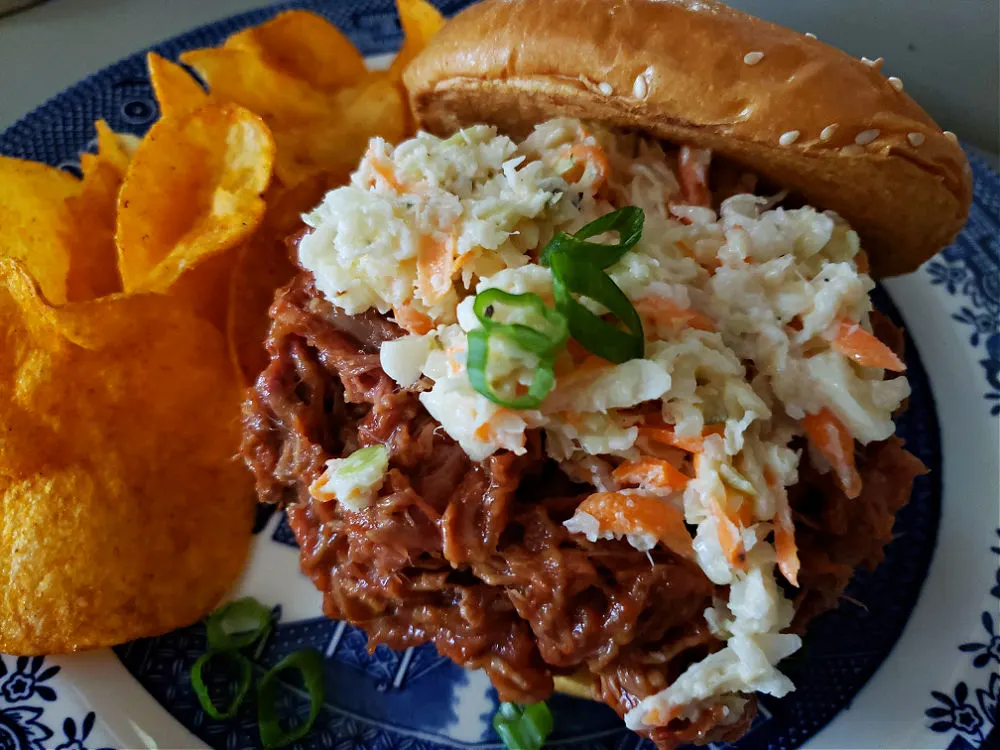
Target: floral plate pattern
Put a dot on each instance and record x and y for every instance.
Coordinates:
(853, 677)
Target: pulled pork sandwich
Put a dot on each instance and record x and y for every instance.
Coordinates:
(584, 384)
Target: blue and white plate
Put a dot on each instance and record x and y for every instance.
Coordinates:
(910, 660)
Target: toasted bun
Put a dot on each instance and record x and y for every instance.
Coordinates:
(514, 63)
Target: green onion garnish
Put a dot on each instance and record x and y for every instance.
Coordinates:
(569, 277)
(544, 342)
(309, 663)
(547, 341)
(237, 624)
(523, 727)
(626, 221)
(477, 358)
(201, 689)
(577, 269)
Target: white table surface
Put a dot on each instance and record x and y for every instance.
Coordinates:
(946, 51)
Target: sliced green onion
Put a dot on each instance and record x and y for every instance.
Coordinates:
(523, 727)
(627, 222)
(309, 664)
(732, 478)
(201, 689)
(477, 358)
(237, 624)
(595, 334)
(541, 342)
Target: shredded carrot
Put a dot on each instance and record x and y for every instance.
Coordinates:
(462, 259)
(853, 341)
(831, 438)
(668, 436)
(686, 249)
(710, 265)
(591, 366)
(412, 321)
(640, 514)
(663, 311)
(317, 491)
(484, 432)
(454, 365)
(692, 172)
(744, 514)
(651, 472)
(435, 266)
(727, 522)
(784, 530)
(384, 169)
(788, 553)
(730, 538)
(594, 154)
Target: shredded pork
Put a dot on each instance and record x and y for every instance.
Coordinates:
(474, 557)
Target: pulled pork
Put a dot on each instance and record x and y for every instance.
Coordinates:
(473, 556)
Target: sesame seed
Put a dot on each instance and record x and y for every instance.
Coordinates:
(852, 150)
(866, 136)
(810, 35)
(915, 139)
(876, 63)
(752, 58)
(787, 139)
(639, 88)
(827, 133)
(896, 83)
(951, 136)
(605, 88)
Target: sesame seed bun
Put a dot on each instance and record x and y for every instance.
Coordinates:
(799, 112)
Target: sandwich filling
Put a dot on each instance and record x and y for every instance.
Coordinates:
(753, 360)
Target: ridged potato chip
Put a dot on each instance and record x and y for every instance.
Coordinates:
(335, 144)
(35, 222)
(420, 21)
(113, 148)
(304, 46)
(193, 191)
(122, 511)
(93, 261)
(309, 84)
(177, 92)
(132, 304)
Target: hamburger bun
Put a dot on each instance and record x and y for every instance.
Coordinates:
(799, 112)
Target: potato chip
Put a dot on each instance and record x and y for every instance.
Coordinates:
(375, 107)
(113, 148)
(123, 512)
(304, 46)
(193, 191)
(177, 92)
(317, 99)
(420, 21)
(34, 221)
(262, 266)
(93, 263)
(241, 76)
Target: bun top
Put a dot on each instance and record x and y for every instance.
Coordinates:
(799, 112)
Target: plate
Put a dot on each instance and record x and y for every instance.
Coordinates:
(911, 659)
